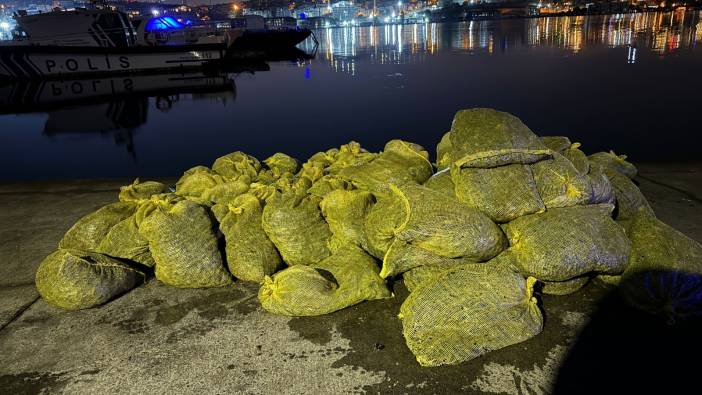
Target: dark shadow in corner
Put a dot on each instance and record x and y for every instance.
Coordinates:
(627, 350)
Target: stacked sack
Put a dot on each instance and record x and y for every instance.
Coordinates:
(558, 232)
(504, 210)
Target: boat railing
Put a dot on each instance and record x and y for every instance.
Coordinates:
(121, 30)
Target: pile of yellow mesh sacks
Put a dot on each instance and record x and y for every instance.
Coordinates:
(501, 211)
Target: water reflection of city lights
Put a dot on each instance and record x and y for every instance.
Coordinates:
(661, 33)
(631, 57)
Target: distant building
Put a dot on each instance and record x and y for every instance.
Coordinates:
(272, 12)
(260, 12)
(385, 10)
(64, 4)
(314, 10)
(344, 10)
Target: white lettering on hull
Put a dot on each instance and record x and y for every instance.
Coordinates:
(43, 64)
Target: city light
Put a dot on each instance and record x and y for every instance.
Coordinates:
(155, 12)
(4, 26)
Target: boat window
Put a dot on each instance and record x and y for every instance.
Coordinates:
(112, 30)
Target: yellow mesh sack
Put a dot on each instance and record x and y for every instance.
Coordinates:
(484, 138)
(435, 265)
(139, 191)
(250, 254)
(351, 154)
(345, 212)
(613, 161)
(285, 182)
(278, 166)
(124, 241)
(294, 223)
(312, 171)
(417, 276)
(323, 159)
(344, 279)
(400, 163)
(267, 176)
(559, 183)
(293, 184)
(328, 183)
(262, 191)
(195, 181)
(73, 279)
(630, 200)
(563, 243)
(441, 182)
(468, 311)
(87, 233)
(445, 152)
(182, 242)
(433, 221)
(236, 164)
(280, 163)
(226, 192)
(577, 158)
(380, 224)
(402, 257)
(556, 143)
(444, 226)
(207, 187)
(664, 275)
(657, 246)
(608, 279)
(502, 193)
(564, 287)
(602, 190)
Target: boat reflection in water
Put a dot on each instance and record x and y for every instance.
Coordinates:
(117, 106)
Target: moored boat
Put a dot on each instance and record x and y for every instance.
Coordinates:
(81, 42)
(274, 34)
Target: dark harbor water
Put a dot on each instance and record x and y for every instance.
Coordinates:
(631, 83)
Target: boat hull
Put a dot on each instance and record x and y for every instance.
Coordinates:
(268, 40)
(28, 62)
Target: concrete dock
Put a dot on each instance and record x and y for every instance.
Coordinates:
(159, 339)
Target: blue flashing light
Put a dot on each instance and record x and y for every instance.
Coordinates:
(164, 23)
(302, 15)
(307, 73)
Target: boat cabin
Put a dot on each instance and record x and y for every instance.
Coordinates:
(281, 23)
(107, 28)
(80, 27)
(249, 22)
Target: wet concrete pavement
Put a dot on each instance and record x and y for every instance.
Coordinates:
(159, 339)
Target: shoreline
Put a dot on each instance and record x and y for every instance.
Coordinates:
(508, 17)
